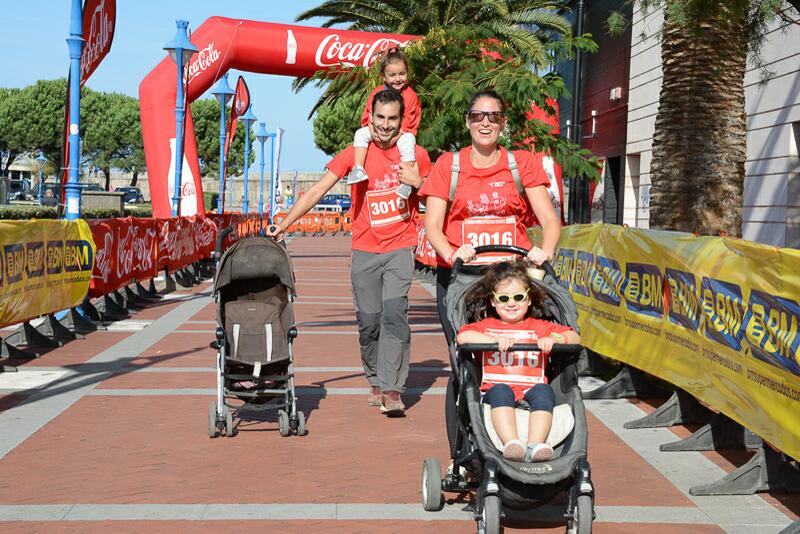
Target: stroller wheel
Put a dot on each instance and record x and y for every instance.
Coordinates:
(582, 516)
(431, 485)
(489, 520)
(212, 420)
(301, 424)
(283, 423)
(228, 423)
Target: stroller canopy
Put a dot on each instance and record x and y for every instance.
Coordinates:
(254, 258)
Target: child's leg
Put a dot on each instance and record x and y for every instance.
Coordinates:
(361, 141)
(541, 400)
(406, 145)
(501, 398)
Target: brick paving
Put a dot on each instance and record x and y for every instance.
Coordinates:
(131, 453)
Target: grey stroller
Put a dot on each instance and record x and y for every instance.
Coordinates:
(254, 290)
(477, 464)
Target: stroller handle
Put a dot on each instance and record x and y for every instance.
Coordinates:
(220, 238)
(484, 249)
(559, 348)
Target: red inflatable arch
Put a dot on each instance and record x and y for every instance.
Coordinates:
(235, 44)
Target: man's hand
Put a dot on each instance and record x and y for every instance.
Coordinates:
(276, 231)
(408, 173)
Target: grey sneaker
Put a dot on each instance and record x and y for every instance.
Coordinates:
(374, 398)
(404, 191)
(358, 174)
(392, 404)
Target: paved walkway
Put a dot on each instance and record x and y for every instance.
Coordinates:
(109, 433)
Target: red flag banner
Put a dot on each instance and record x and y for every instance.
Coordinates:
(126, 251)
(241, 101)
(99, 22)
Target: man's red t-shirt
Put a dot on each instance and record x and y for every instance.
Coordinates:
(519, 370)
(411, 115)
(487, 208)
(382, 221)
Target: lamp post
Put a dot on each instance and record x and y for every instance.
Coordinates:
(180, 50)
(223, 93)
(247, 119)
(261, 135)
(75, 43)
(40, 162)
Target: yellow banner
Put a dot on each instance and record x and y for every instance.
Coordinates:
(46, 266)
(717, 317)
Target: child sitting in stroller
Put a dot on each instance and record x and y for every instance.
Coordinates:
(509, 306)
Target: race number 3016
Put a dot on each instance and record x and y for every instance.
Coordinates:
(385, 207)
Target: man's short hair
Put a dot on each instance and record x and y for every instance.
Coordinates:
(387, 96)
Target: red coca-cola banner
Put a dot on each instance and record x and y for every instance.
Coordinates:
(99, 22)
(126, 251)
(176, 243)
(248, 46)
(425, 253)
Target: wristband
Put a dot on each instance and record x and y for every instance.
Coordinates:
(559, 338)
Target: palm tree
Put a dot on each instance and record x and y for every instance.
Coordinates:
(527, 26)
(699, 145)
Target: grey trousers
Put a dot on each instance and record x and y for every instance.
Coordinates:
(380, 293)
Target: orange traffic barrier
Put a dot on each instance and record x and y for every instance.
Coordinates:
(331, 222)
(347, 222)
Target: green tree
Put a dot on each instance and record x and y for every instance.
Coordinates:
(335, 123)
(205, 116)
(112, 133)
(467, 46)
(699, 145)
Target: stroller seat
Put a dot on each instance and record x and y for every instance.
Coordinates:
(254, 329)
(563, 423)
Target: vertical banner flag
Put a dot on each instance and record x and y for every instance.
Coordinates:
(241, 101)
(278, 140)
(99, 23)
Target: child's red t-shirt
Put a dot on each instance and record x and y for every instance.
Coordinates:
(520, 370)
(411, 115)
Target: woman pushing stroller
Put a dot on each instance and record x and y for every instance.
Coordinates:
(511, 307)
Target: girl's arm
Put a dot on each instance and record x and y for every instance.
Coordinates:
(473, 336)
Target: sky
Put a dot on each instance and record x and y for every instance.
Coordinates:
(33, 39)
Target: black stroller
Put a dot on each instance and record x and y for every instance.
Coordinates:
(477, 464)
(254, 290)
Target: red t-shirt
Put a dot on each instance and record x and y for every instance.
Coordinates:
(520, 370)
(411, 114)
(487, 199)
(382, 221)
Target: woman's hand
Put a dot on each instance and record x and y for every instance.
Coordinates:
(539, 256)
(465, 252)
(504, 343)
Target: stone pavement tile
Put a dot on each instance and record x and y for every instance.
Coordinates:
(8, 400)
(156, 310)
(729, 460)
(74, 352)
(622, 477)
(131, 450)
(237, 527)
(208, 313)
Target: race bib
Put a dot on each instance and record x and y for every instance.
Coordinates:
(480, 231)
(385, 207)
(514, 368)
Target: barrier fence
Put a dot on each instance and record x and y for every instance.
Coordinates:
(50, 266)
(716, 316)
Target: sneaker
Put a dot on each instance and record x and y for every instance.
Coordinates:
(539, 452)
(358, 174)
(392, 404)
(375, 398)
(514, 450)
(404, 191)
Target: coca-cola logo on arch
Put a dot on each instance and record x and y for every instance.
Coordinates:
(332, 51)
(205, 58)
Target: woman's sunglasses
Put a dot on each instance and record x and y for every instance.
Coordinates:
(506, 297)
(495, 117)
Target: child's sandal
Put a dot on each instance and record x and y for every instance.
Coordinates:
(514, 450)
(538, 452)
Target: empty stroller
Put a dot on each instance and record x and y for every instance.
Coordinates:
(254, 290)
(477, 463)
